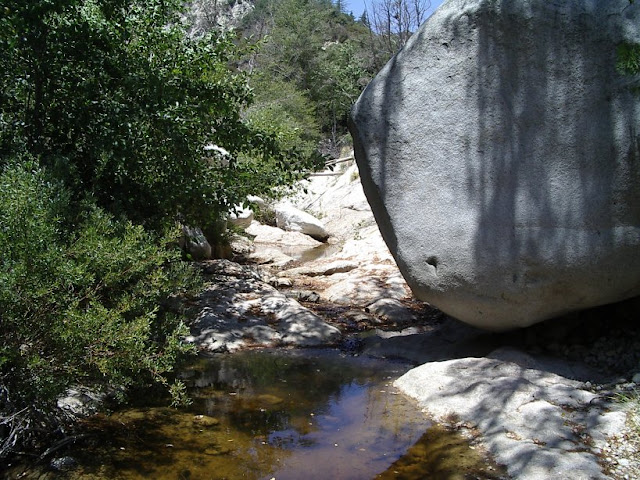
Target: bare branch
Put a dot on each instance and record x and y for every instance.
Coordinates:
(394, 21)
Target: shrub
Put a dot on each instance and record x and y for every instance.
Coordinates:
(80, 297)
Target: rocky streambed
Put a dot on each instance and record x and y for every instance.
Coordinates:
(543, 401)
(537, 403)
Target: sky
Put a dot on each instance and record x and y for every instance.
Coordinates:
(358, 6)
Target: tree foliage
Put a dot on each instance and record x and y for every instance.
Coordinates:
(118, 96)
(81, 304)
(629, 59)
(316, 49)
(106, 107)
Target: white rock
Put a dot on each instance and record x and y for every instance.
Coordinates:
(319, 268)
(259, 201)
(292, 219)
(266, 234)
(528, 417)
(241, 217)
(81, 401)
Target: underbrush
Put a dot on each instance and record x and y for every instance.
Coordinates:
(83, 301)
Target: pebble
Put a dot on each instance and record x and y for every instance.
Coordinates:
(63, 463)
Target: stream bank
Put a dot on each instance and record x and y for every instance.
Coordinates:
(535, 403)
(542, 400)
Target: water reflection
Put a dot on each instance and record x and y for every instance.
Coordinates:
(305, 254)
(264, 415)
(328, 416)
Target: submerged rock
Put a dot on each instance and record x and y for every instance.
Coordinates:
(63, 464)
(500, 152)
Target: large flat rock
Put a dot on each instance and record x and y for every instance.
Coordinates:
(539, 424)
(500, 152)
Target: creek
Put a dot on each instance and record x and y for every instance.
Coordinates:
(267, 414)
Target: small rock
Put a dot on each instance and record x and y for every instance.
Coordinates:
(280, 282)
(217, 450)
(305, 296)
(62, 464)
(81, 401)
(205, 421)
(241, 245)
(269, 399)
(391, 309)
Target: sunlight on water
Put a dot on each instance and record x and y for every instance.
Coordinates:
(284, 415)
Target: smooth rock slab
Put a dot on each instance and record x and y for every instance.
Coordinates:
(531, 420)
(321, 268)
(265, 234)
(238, 309)
(500, 152)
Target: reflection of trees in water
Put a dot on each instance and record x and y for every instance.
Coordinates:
(268, 392)
(440, 453)
(259, 414)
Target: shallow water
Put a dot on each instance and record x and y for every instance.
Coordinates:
(310, 254)
(277, 415)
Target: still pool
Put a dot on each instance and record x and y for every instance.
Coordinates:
(277, 415)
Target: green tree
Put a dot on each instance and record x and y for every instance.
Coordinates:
(301, 40)
(117, 97)
(283, 110)
(106, 107)
(337, 82)
(629, 59)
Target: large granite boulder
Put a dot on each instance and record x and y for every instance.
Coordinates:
(500, 151)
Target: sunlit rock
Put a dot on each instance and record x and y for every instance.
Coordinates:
(500, 151)
(292, 219)
(241, 217)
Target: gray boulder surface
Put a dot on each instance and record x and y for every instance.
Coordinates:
(195, 243)
(539, 424)
(238, 309)
(500, 152)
